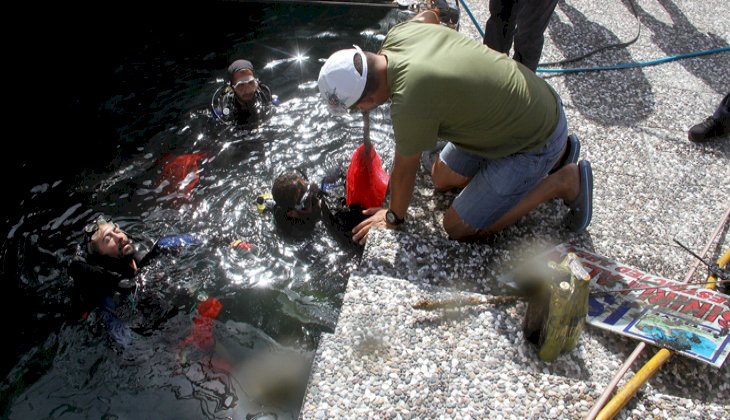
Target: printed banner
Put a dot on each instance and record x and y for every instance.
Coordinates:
(688, 319)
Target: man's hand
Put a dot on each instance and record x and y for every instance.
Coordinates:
(402, 181)
(377, 218)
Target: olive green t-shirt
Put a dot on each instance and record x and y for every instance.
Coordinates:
(445, 85)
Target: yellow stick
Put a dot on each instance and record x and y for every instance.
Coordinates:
(722, 262)
(623, 396)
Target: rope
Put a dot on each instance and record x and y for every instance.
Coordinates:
(637, 64)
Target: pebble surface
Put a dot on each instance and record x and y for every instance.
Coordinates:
(651, 185)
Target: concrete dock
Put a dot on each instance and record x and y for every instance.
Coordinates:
(651, 185)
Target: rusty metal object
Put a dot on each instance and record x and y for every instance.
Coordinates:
(557, 309)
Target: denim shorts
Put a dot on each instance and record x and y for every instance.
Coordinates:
(497, 185)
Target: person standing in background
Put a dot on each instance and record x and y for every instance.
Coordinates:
(522, 22)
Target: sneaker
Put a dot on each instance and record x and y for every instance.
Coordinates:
(707, 129)
(429, 156)
(581, 209)
(571, 153)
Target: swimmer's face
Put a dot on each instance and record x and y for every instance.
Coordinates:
(244, 85)
(109, 240)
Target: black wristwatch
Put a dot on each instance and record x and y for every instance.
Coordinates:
(392, 219)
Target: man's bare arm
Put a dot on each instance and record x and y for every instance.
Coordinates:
(428, 16)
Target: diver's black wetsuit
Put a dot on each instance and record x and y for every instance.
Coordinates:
(339, 217)
(96, 277)
(108, 284)
(230, 110)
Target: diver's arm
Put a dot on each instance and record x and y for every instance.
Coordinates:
(90, 276)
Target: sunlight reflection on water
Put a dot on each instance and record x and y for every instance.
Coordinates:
(276, 298)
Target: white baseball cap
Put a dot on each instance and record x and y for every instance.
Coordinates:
(340, 84)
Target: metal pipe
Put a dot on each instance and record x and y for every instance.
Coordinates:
(612, 385)
(366, 132)
(707, 247)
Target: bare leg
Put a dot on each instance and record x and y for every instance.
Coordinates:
(564, 184)
(445, 179)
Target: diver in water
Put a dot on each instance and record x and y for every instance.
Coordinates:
(104, 271)
(244, 101)
(298, 204)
